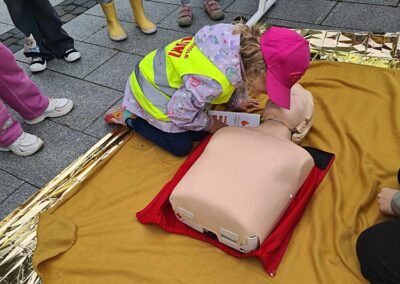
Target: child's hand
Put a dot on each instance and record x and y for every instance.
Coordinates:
(216, 124)
(385, 198)
(248, 103)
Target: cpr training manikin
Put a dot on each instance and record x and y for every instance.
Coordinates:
(246, 177)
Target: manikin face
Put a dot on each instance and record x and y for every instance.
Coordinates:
(301, 108)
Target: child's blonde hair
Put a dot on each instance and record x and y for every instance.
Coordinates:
(250, 51)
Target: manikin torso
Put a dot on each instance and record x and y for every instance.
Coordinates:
(243, 181)
(246, 177)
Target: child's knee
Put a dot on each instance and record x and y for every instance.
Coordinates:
(181, 150)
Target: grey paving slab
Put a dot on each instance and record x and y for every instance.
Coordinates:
(19, 55)
(99, 128)
(200, 19)
(8, 184)
(25, 67)
(197, 3)
(62, 146)
(373, 2)
(291, 24)
(176, 2)
(49, 82)
(5, 28)
(243, 7)
(153, 10)
(137, 42)
(353, 16)
(115, 72)
(310, 11)
(90, 100)
(84, 26)
(23, 193)
(4, 15)
(300, 25)
(92, 57)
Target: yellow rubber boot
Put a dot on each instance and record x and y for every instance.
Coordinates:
(141, 20)
(115, 30)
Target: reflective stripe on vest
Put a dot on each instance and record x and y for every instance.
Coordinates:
(159, 74)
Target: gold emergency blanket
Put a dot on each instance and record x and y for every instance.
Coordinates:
(380, 50)
(94, 237)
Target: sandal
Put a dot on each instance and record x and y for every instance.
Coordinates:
(213, 10)
(185, 16)
(118, 115)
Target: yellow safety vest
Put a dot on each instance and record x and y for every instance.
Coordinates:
(159, 74)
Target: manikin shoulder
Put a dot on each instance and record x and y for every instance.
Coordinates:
(244, 141)
(299, 89)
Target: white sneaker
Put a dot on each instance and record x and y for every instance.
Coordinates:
(38, 64)
(26, 145)
(56, 108)
(72, 55)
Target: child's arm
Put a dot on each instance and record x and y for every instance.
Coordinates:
(389, 201)
(240, 101)
(185, 108)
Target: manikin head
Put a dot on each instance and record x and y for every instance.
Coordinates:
(298, 118)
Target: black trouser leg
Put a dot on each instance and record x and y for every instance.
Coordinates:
(378, 250)
(38, 17)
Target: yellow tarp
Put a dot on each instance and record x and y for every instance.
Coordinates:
(94, 236)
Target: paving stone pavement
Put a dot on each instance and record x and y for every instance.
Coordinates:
(96, 83)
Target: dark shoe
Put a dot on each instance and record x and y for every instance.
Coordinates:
(38, 64)
(72, 55)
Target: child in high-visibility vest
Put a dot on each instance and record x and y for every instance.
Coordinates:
(270, 62)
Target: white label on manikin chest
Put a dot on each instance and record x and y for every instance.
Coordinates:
(238, 119)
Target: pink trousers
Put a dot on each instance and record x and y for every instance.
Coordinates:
(20, 93)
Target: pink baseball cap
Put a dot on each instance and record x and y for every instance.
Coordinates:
(287, 56)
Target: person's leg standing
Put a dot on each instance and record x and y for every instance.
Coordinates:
(17, 90)
(13, 138)
(24, 19)
(56, 39)
(10, 129)
(21, 94)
